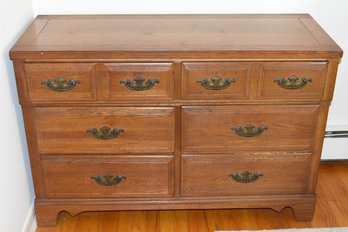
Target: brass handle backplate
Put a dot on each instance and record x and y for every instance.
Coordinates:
(292, 82)
(245, 177)
(249, 130)
(60, 84)
(216, 83)
(108, 179)
(139, 83)
(105, 133)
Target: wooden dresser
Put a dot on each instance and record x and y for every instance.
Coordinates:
(154, 112)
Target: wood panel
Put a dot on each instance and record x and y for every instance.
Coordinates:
(209, 175)
(36, 73)
(71, 176)
(64, 129)
(238, 72)
(163, 72)
(210, 128)
(270, 71)
(126, 35)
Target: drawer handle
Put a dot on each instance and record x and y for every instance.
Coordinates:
(60, 84)
(249, 130)
(245, 177)
(139, 83)
(105, 133)
(293, 82)
(108, 179)
(216, 83)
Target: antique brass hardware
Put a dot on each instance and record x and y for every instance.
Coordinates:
(245, 177)
(139, 83)
(60, 84)
(216, 83)
(105, 133)
(249, 130)
(292, 82)
(108, 179)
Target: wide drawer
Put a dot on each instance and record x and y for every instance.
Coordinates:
(104, 129)
(216, 80)
(292, 80)
(248, 128)
(60, 82)
(248, 174)
(107, 176)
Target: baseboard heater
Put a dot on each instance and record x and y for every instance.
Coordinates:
(336, 134)
(335, 145)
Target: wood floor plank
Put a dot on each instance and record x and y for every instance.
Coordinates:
(331, 211)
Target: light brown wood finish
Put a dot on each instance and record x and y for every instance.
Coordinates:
(175, 129)
(210, 129)
(71, 177)
(38, 72)
(239, 72)
(271, 71)
(209, 175)
(63, 130)
(289, 35)
(162, 90)
(331, 211)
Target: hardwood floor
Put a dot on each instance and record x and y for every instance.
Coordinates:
(331, 211)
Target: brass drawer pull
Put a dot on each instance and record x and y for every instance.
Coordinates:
(249, 130)
(292, 82)
(245, 177)
(105, 133)
(139, 83)
(108, 179)
(60, 84)
(216, 83)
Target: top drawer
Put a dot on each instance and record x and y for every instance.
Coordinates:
(60, 81)
(216, 80)
(292, 80)
(57, 82)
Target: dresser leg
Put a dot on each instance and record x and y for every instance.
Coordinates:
(46, 216)
(303, 212)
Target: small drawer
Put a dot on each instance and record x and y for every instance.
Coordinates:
(247, 174)
(111, 130)
(60, 82)
(292, 80)
(140, 81)
(248, 128)
(215, 80)
(107, 176)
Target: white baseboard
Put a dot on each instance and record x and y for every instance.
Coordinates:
(30, 224)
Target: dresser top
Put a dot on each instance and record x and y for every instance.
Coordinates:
(87, 36)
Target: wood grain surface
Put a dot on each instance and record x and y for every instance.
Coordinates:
(210, 129)
(64, 129)
(178, 138)
(331, 211)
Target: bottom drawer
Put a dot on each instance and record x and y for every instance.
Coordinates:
(255, 174)
(107, 176)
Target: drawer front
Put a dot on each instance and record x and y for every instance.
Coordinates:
(249, 128)
(140, 81)
(292, 80)
(60, 82)
(107, 177)
(105, 129)
(244, 174)
(216, 80)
